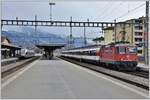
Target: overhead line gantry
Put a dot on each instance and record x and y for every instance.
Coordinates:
(58, 23)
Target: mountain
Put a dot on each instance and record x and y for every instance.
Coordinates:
(28, 38)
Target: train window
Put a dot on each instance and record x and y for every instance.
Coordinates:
(93, 52)
(80, 53)
(121, 50)
(85, 53)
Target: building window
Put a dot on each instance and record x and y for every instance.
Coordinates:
(138, 33)
(138, 39)
(139, 45)
(140, 51)
(138, 27)
(138, 21)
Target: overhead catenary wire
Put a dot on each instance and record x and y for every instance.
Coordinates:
(105, 9)
(129, 11)
(107, 12)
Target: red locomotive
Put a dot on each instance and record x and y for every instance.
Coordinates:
(122, 56)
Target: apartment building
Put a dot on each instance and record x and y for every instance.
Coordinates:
(138, 31)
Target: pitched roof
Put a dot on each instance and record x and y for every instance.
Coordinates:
(109, 28)
(3, 38)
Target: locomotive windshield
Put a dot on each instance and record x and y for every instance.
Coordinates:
(129, 49)
(132, 49)
(121, 50)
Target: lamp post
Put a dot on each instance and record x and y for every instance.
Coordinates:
(51, 4)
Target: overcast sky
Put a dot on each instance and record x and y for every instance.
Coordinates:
(79, 10)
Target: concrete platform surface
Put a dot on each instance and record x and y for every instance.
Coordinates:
(58, 79)
(9, 59)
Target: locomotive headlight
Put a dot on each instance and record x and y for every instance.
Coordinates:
(122, 59)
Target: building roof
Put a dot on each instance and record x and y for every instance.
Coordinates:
(123, 22)
(133, 19)
(10, 46)
(51, 46)
(3, 38)
(7, 43)
(109, 28)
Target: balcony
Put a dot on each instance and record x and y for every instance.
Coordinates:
(138, 42)
(138, 30)
(140, 54)
(139, 48)
(141, 24)
(138, 36)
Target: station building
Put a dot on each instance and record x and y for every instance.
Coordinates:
(133, 33)
(8, 50)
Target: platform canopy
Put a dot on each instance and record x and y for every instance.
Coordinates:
(51, 46)
(10, 46)
(7, 44)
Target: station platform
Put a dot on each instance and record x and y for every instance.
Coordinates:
(8, 61)
(59, 79)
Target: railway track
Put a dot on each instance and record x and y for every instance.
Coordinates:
(10, 68)
(135, 78)
(140, 73)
